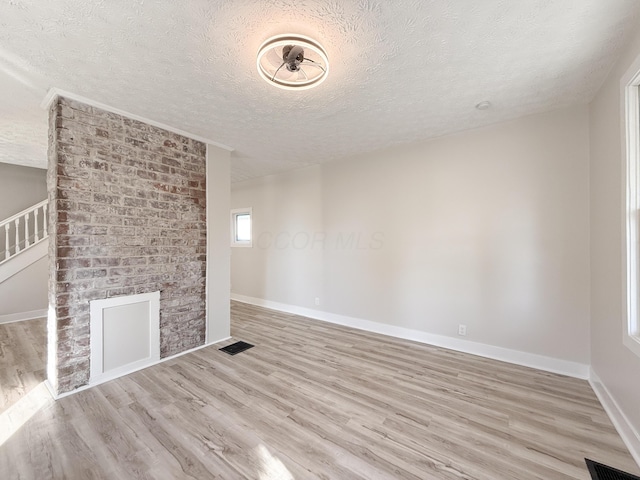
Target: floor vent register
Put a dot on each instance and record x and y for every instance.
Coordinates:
(236, 348)
(599, 471)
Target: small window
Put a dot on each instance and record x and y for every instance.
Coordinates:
(241, 227)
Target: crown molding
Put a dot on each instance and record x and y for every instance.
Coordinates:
(54, 93)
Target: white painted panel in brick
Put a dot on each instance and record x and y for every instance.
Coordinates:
(125, 335)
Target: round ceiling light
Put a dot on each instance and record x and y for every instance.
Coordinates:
(292, 62)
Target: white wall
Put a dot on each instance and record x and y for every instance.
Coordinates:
(286, 208)
(26, 291)
(218, 258)
(615, 365)
(487, 228)
(20, 188)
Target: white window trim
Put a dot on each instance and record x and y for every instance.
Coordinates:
(631, 147)
(234, 213)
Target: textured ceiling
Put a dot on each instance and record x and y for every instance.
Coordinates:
(401, 71)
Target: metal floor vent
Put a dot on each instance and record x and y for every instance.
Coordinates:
(237, 347)
(599, 471)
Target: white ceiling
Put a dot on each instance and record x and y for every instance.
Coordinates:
(401, 71)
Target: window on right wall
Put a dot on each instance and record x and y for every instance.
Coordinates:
(631, 98)
(241, 227)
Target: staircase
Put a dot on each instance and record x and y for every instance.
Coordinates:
(23, 231)
(24, 239)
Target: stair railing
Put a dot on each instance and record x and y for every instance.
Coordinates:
(23, 230)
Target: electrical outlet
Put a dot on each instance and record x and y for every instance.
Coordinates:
(317, 300)
(462, 330)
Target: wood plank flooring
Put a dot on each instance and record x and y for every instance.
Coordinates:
(314, 400)
(23, 349)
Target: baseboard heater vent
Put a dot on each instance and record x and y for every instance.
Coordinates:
(599, 471)
(237, 347)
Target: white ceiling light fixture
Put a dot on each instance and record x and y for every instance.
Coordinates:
(292, 62)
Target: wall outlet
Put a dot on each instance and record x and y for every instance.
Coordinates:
(462, 330)
(317, 300)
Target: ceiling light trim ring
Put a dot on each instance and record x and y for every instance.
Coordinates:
(274, 45)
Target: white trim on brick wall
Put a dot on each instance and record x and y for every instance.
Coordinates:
(98, 333)
(629, 435)
(541, 362)
(21, 316)
(55, 92)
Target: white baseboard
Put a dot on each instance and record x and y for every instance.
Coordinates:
(625, 429)
(52, 391)
(105, 378)
(540, 362)
(19, 317)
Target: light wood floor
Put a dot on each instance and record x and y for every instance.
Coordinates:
(313, 400)
(23, 347)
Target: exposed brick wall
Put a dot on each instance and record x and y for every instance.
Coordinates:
(127, 216)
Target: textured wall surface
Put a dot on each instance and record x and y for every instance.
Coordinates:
(128, 206)
(400, 71)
